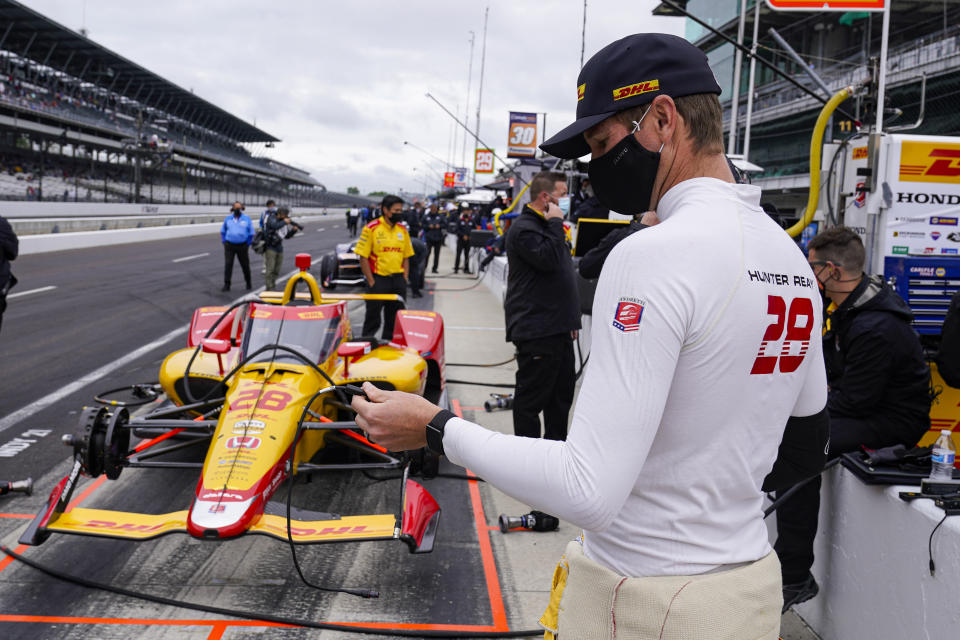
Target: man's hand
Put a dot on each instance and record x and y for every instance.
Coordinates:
(553, 211)
(394, 419)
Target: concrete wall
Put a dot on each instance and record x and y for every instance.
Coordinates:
(14, 210)
(44, 243)
(872, 565)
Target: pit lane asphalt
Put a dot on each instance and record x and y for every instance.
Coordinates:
(109, 302)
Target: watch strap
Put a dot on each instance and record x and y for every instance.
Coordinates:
(435, 429)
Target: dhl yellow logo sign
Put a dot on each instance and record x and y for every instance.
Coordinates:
(929, 162)
(859, 153)
(636, 89)
(580, 91)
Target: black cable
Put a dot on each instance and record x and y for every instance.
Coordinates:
(186, 373)
(482, 384)
(266, 617)
(363, 593)
(930, 543)
(469, 364)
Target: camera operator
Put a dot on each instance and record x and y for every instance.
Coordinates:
(277, 227)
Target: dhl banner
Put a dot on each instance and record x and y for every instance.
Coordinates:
(826, 5)
(924, 214)
(930, 162)
(522, 138)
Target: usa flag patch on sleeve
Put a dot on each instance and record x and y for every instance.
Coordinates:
(628, 313)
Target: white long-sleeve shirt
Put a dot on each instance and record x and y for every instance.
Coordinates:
(706, 338)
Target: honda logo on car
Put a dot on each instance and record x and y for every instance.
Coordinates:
(243, 442)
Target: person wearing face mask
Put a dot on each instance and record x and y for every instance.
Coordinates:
(384, 249)
(705, 361)
(879, 387)
(542, 310)
(236, 234)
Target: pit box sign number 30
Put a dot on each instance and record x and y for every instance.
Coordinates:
(483, 162)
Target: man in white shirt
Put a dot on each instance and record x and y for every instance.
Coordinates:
(705, 347)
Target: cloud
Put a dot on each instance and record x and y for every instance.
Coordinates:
(343, 84)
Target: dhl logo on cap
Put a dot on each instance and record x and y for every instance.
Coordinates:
(635, 89)
(580, 91)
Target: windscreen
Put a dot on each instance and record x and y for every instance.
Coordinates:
(312, 331)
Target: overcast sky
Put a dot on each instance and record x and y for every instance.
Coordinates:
(343, 83)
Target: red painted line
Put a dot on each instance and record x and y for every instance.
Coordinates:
(86, 493)
(149, 443)
(20, 516)
(486, 549)
(220, 626)
(8, 559)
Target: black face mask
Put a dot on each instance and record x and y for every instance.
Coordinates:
(623, 177)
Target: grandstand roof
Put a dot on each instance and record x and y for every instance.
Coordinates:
(29, 34)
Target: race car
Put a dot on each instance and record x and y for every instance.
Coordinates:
(265, 385)
(341, 267)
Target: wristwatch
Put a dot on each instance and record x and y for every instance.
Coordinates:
(435, 431)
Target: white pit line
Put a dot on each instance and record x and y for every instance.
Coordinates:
(194, 257)
(30, 291)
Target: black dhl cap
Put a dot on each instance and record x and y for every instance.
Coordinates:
(628, 73)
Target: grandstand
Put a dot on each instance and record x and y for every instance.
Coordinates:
(79, 122)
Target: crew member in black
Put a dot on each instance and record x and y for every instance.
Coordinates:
(9, 249)
(433, 224)
(464, 226)
(542, 311)
(879, 387)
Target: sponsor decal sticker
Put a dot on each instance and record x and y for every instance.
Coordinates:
(636, 89)
(859, 153)
(949, 251)
(951, 222)
(861, 198)
(921, 271)
(929, 162)
(909, 234)
(627, 315)
(243, 442)
(941, 272)
(900, 250)
(249, 426)
(929, 249)
(935, 235)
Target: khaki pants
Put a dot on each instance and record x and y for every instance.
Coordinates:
(272, 260)
(597, 604)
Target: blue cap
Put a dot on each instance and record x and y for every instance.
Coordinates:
(628, 73)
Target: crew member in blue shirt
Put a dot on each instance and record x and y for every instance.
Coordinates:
(236, 235)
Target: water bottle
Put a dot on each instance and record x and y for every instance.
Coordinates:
(942, 456)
